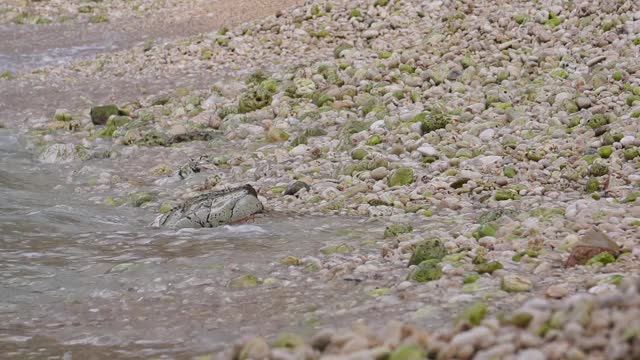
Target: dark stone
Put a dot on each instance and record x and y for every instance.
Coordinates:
(292, 189)
(100, 114)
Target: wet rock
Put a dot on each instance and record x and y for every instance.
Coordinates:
(100, 114)
(191, 167)
(336, 249)
(243, 282)
(214, 209)
(397, 229)
(58, 154)
(296, 186)
(137, 199)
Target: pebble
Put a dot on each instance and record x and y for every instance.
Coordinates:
(556, 291)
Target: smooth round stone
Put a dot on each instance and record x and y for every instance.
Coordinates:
(487, 134)
(628, 140)
(556, 291)
(583, 102)
(299, 150)
(428, 150)
(379, 173)
(558, 133)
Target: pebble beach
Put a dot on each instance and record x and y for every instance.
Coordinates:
(492, 147)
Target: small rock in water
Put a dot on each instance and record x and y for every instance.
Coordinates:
(214, 209)
(243, 282)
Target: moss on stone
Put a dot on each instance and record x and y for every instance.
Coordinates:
(254, 99)
(401, 176)
(434, 120)
(474, 314)
(597, 121)
(471, 278)
(426, 250)
(359, 154)
(341, 248)
(408, 352)
(337, 52)
(488, 267)
(488, 229)
(598, 169)
(374, 140)
(243, 282)
(506, 194)
(287, 340)
(392, 230)
(602, 258)
(427, 270)
(605, 151)
(100, 114)
(509, 171)
(137, 199)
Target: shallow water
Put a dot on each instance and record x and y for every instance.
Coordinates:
(84, 279)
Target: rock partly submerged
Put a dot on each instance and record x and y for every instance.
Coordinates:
(213, 209)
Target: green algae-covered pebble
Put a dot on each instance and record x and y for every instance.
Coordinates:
(427, 270)
(359, 154)
(100, 114)
(374, 140)
(471, 278)
(254, 99)
(401, 176)
(408, 352)
(243, 282)
(290, 260)
(138, 198)
(488, 267)
(605, 151)
(592, 186)
(435, 120)
(598, 169)
(535, 155)
(515, 283)
(509, 172)
(630, 154)
(287, 340)
(530, 253)
(397, 229)
(603, 258)
(426, 250)
(474, 314)
(506, 194)
(336, 249)
(485, 230)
